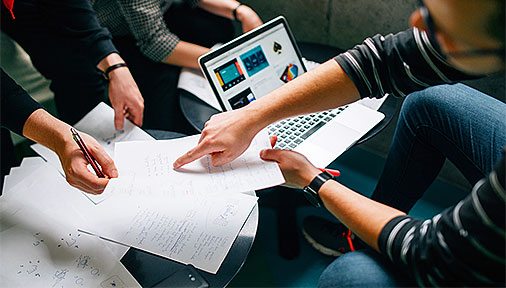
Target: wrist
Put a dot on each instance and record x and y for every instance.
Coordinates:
(257, 117)
(309, 175)
(112, 71)
(109, 60)
(241, 12)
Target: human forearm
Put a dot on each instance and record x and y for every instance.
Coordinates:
(365, 217)
(125, 97)
(225, 8)
(186, 55)
(227, 135)
(323, 88)
(222, 8)
(45, 129)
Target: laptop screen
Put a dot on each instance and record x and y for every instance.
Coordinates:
(250, 67)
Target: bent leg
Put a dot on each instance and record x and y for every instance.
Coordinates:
(448, 121)
(365, 268)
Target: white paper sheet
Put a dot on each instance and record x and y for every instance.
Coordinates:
(37, 251)
(99, 123)
(197, 231)
(194, 82)
(45, 189)
(18, 174)
(152, 161)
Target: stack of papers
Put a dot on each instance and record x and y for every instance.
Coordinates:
(40, 244)
(52, 234)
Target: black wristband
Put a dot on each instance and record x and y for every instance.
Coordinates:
(112, 67)
(234, 12)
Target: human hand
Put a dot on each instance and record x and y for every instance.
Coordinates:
(225, 137)
(248, 18)
(125, 97)
(296, 168)
(75, 165)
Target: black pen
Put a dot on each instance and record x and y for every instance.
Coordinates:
(87, 154)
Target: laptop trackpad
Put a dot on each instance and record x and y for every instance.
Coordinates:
(332, 139)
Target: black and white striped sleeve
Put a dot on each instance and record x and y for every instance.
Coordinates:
(397, 64)
(462, 246)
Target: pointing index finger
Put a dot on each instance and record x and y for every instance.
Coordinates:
(200, 150)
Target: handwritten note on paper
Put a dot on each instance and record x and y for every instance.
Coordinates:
(198, 231)
(194, 82)
(153, 160)
(38, 252)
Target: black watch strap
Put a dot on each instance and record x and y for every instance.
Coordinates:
(112, 67)
(313, 188)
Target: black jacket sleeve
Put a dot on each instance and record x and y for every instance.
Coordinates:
(77, 21)
(17, 105)
(397, 64)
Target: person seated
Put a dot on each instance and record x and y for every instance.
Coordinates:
(157, 38)
(24, 116)
(464, 245)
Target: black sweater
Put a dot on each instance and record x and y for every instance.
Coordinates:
(17, 105)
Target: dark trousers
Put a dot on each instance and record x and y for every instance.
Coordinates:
(78, 85)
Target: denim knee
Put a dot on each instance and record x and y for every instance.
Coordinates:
(365, 268)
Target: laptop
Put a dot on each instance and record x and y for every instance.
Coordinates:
(256, 63)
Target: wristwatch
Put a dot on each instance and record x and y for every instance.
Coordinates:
(311, 190)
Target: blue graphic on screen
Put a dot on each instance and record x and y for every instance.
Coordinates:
(229, 73)
(254, 60)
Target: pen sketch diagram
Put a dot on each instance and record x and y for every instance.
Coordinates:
(70, 241)
(223, 218)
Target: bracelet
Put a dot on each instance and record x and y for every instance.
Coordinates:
(112, 67)
(234, 12)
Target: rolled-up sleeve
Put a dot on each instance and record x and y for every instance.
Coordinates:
(146, 23)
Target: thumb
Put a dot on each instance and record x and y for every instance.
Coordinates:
(105, 162)
(271, 155)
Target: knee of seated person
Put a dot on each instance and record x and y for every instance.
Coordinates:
(426, 102)
(356, 269)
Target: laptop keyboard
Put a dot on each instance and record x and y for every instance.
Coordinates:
(293, 131)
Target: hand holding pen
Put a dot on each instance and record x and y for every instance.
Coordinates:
(75, 160)
(89, 157)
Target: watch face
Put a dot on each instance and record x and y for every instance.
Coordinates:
(311, 198)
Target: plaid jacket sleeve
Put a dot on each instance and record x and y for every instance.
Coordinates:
(145, 21)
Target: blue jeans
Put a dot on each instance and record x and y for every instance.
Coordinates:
(452, 122)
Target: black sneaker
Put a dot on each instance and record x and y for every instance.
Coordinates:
(329, 238)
